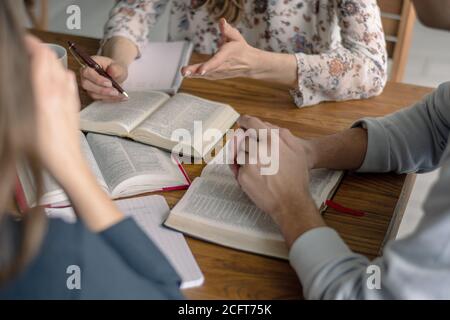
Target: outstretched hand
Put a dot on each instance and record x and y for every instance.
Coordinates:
(235, 57)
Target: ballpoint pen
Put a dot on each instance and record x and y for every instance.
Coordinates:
(85, 60)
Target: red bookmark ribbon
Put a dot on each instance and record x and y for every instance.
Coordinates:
(345, 210)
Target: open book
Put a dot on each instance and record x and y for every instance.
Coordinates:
(216, 209)
(153, 118)
(158, 67)
(149, 213)
(122, 168)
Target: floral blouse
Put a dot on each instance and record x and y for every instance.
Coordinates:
(339, 44)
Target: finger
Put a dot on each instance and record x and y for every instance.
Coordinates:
(99, 97)
(229, 32)
(247, 177)
(32, 43)
(223, 39)
(216, 61)
(249, 144)
(91, 75)
(286, 134)
(104, 62)
(271, 125)
(249, 122)
(72, 81)
(233, 146)
(99, 90)
(235, 169)
(188, 71)
(117, 72)
(250, 147)
(73, 87)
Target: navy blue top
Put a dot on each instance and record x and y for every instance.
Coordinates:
(118, 263)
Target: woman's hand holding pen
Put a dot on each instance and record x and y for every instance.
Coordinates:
(118, 53)
(101, 88)
(236, 58)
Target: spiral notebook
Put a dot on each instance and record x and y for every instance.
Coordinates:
(149, 213)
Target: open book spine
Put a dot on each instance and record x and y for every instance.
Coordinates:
(182, 187)
(23, 205)
(21, 200)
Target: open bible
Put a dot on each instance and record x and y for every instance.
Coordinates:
(216, 209)
(154, 117)
(122, 167)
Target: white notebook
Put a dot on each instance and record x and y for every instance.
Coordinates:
(150, 212)
(158, 68)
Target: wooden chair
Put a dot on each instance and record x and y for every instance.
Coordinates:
(38, 18)
(398, 17)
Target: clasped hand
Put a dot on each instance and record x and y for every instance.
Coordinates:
(284, 195)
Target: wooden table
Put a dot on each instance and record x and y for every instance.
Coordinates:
(231, 274)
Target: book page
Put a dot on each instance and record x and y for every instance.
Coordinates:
(222, 202)
(322, 181)
(120, 159)
(149, 213)
(52, 191)
(92, 163)
(180, 112)
(159, 67)
(217, 197)
(128, 114)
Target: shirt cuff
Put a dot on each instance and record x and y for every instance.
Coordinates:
(314, 249)
(297, 93)
(377, 157)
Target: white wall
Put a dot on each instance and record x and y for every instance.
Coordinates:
(94, 14)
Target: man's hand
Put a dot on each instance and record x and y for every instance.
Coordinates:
(285, 196)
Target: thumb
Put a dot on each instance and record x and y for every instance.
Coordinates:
(228, 32)
(118, 71)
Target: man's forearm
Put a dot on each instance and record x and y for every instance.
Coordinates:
(342, 151)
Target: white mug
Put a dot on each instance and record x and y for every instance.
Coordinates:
(60, 51)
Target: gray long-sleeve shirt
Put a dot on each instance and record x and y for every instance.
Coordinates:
(417, 267)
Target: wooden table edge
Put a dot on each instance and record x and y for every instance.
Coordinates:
(399, 210)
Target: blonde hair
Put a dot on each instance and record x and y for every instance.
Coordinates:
(231, 10)
(17, 143)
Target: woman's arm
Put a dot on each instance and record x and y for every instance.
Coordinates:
(126, 32)
(356, 69)
(236, 58)
(133, 20)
